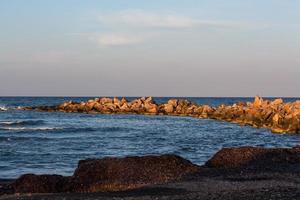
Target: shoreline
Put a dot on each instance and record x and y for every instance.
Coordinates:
(232, 173)
(275, 115)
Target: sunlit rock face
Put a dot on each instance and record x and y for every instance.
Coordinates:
(276, 115)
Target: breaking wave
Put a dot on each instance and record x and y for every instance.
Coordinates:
(21, 122)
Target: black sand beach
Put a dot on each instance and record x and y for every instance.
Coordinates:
(252, 186)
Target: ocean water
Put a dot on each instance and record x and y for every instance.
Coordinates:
(41, 142)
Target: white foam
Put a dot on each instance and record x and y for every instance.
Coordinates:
(8, 122)
(29, 129)
(3, 108)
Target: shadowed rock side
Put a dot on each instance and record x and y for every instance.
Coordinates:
(119, 174)
(110, 174)
(115, 174)
(257, 159)
(276, 115)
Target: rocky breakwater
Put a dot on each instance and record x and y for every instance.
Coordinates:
(276, 115)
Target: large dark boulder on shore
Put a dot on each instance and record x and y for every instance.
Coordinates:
(119, 174)
(116, 174)
(257, 158)
(110, 174)
(31, 183)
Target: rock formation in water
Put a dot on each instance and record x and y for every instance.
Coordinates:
(276, 115)
(119, 174)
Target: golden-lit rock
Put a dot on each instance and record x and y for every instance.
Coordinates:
(276, 115)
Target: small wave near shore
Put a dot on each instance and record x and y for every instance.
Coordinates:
(21, 122)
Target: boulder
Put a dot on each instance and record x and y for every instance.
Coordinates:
(277, 102)
(151, 108)
(258, 101)
(149, 100)
(123, 101)
(168, 108)
(105, 100)
(30, 183)
(256, 158)
(124, 108)
(173, 102)
(137, 105)
(116, 174)
(116, 101)
(98, 107)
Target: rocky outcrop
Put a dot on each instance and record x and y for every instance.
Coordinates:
(115, 174)
(258, 159)
(31, 183)
(276, 115)
(119, 174)
(110, 174)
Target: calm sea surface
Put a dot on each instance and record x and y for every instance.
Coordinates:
(40, 142)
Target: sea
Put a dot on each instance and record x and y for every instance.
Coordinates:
(53, 143)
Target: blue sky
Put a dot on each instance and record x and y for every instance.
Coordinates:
(149, 48)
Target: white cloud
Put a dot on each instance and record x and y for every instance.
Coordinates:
(137, 26)
(138, 18)
(118, 40)
(154, 20)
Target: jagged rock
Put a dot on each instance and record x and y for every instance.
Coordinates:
(258, 101)
(137, 106)
(98, 107)
(173, 102)
(150, 107)
(105, 100)
(124, 108)
(123, 101)
(116, 101)
(277, 102)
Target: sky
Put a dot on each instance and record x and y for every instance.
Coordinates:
(195, 48)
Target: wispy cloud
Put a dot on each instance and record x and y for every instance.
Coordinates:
(118, 40)
(142, 19)
(132, 27)
(139, 18)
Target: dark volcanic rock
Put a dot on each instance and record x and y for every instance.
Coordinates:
(256, 158)
(119, 174)
(31, 183)
(115, 174)
(110, 174)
